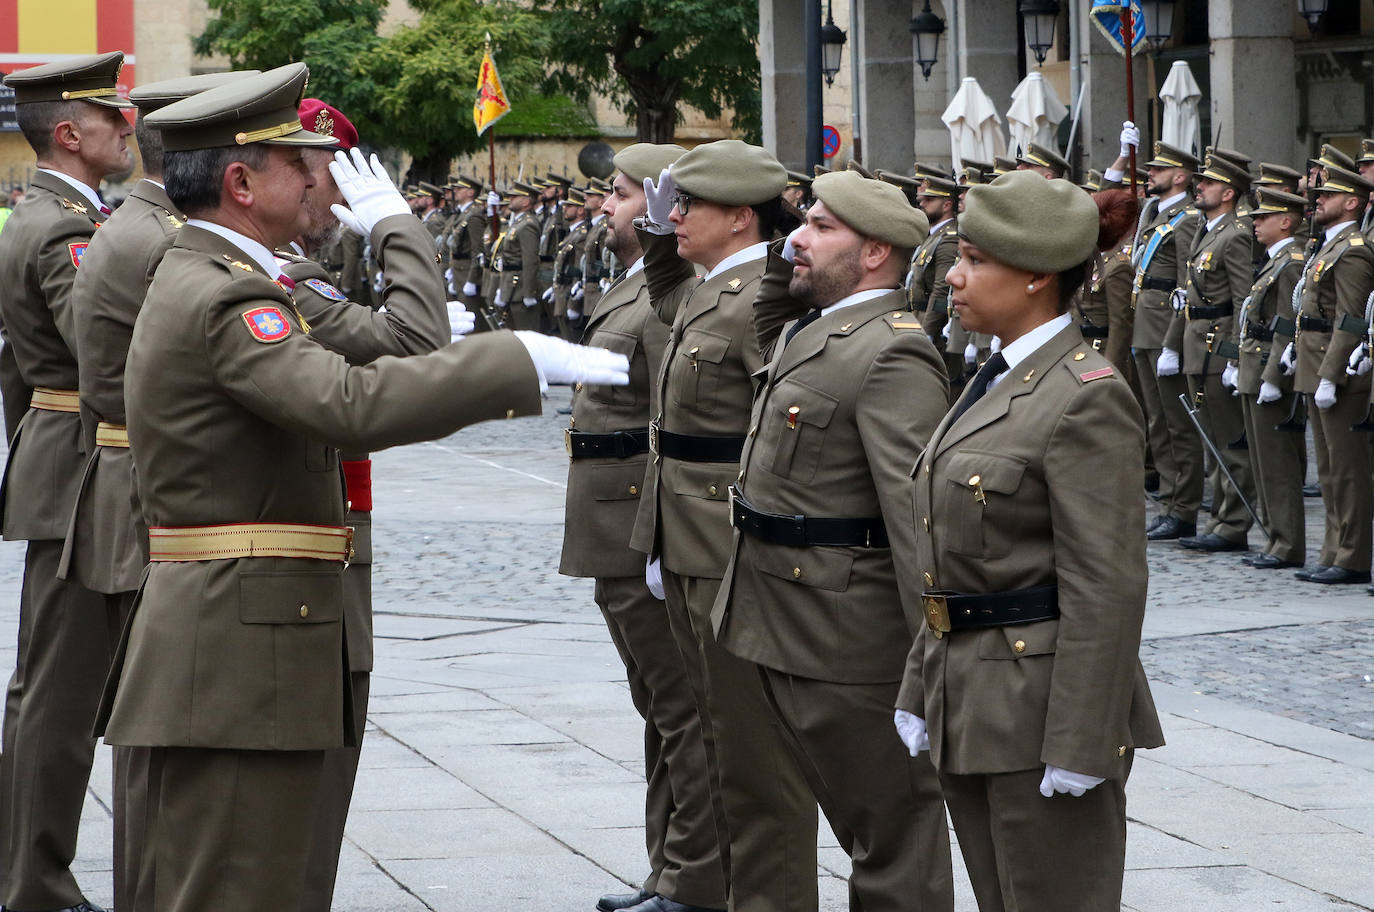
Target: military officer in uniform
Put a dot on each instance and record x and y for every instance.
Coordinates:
(70, 115)
(1043, 161)
(518, 292)
(596, 272)
(849, 399)
(608, 443)
(465, 241)
(1024, 681)
(927, 290)
(716, 207)
(1336, 282)
(234, 668)
(1160, 257)
(566, 292)
(1203, 335)
(1278, 448)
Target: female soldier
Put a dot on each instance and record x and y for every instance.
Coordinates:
(1025, 680)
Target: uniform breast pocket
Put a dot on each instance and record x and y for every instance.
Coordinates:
(696, 374)
(623, 344)
(794, 427)
(976, 482)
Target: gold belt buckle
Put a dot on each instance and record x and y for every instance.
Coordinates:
(567, 440)
(1211, 340)
(937, 614)
(653, 437)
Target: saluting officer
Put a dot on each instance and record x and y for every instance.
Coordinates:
(235, 665)
(70, 116)
(465, 245)
(850, 397)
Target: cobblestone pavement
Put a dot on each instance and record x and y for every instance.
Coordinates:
(502, 764)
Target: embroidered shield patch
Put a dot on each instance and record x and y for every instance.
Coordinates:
(267, 324)
(77, 251)
(325, 289)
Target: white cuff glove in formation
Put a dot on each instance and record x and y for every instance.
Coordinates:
(547, 296)
(789, 253)
(1062, 780)
(970, 354)
(949, 325)
(653, 577)
(470, 289)
(1359, 362)
(1167, 365)
(573, 313)
(912, 730)
(530, 302)
(658, 203)
(461, 321)
(1178, 299)
(576, 291)
(1268, 393)
(368, 190)
(1288, 360)
(1228, 376)
(1325, 396)
(558, 361)
(1130, 138)
(500, 299)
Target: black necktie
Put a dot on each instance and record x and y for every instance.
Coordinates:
(805, 321)
(990, 369)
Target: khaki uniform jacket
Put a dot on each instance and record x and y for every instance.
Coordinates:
(42, 243)
(250, 653)
(1220, 272)
(1168, 264)
(928, 292)
(869, 388)
(1070, 691)
(107, 542)
(1337, 281)
(604, 493)
(436, 223)
(594, 267)
(520, 260)
(567, 269)
(465, 241)
(705, 388)
(1105, 300)
(1271, 296)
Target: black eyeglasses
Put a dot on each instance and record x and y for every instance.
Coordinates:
(683, 202)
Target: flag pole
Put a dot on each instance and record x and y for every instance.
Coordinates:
(1126, 35)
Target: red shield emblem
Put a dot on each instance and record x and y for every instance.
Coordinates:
(77, 251)
(267, 324)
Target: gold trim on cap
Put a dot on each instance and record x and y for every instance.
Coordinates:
(90, 93)
(253, 136)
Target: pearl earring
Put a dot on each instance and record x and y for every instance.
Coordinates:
(1030, 289)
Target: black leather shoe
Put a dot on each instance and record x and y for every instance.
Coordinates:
(1269, 562)
(1338, 576)
(1170, 529)
(664, 904)
(1305, 574)
(1155, 523)
(1210, 541)
(614, 902)
(1312, 490)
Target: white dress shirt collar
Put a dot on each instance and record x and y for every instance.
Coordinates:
(1336, 229)
(739, 257)
(857, 297)
(89, 192)
(637, 267)
(1024, 347)
(1274, 249)
(259, 254)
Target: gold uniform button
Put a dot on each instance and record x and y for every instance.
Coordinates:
(930, 580)
(796, 572)
(634, 489)
(510, 413)
(711, 490)
(305, 610)
(1019, 646)
(925, 521)
(975, 480)
(1079, 357)
(1121, 751)
(740, 476)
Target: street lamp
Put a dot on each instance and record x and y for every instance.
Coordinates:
(832, 46)
(1312, 11)
(1159, 22)
(1038, 18)
(927, 27)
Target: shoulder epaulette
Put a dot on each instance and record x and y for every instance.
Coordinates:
(1356, 241)
(1296, 255)
(952, 230)
(901, 321)
(79, 208)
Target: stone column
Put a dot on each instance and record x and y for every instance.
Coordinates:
(887, 112)
(782, 67)
(932, 95)
(1254, 89)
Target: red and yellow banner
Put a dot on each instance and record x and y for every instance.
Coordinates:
(491, 104)
(41, 31)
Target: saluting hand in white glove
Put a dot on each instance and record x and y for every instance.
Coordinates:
(658, 203)
(368, 190)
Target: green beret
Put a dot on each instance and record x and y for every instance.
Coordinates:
(731, 173)
(1007, 220)
(90, 78)
(159, 94)
(260, 108)
(646, 161)
(873, 208)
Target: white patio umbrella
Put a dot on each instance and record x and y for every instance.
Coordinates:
(1034, 114)
(1180, 94)
(975, 129)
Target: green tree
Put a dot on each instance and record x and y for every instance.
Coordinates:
(650, 56)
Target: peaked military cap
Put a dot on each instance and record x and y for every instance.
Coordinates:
(1231, 155)
(1272, 175)
(88, 78)
(818, 170)
(1001, 165)
(159, 94)
(923, 170)
(730, 172)
(1272, 200)
(597, 186)
(560, 179)
(797, 179)
(972, 174)
(470, 183)
(641, 161)
(873, 208)
(1218, 168)
(1366, 152)
(858, 169)
(1007, 220)
(575, 197)
(898, 180)
(1341, 180)
(1044, 157)
(261, 108)
(1167, 156)
(966, 163)
(940, 187)
(1331, 157)
(428, 189)
(520, 188)
(1093, 182)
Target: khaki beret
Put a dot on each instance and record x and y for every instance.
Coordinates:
(1272, 200)
(1167, 156)
(873, 208)
(731, 173)
(159, 94)
(646, 161)
(90, 78)
(1044, 157)
(260, 108)
(1007, 220)
(1341, 180)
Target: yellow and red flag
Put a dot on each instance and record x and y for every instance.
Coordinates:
(491, 104)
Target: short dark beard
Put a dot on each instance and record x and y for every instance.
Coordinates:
(821, 289)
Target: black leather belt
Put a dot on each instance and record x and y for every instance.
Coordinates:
(1258, 332)
(802, 531)
(694, 447)
(615, 445)
(1209, 312)
(946, 611)
(1158, 283)
(1315, 324)
(1092, 331)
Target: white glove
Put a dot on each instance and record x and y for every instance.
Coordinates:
(547, 296)
(1130, 138)
(912, 730)
(1228, 376)
(1359, 362)
(1288, 360)
(970, 354)
(1268, 393)
(789, 253)
(493, 200)
(368, 190)
(461, 321)
(378, 282)
(1325, 396)
(1167, 365)
(530, 302)
(1179, 300)
(1062, 780)
(949, 325)
(604, 285)
(576, 291)
(996, 343)
(470, 289)
(500, 298)
(562, 362)
(573, 313)
(448, 275)
(653, 577)
(658, 203)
